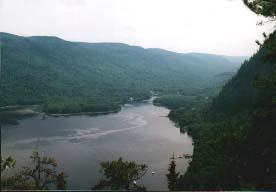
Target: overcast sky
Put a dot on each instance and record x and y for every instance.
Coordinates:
(209, 26)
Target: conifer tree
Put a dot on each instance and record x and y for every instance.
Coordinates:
(172, 176)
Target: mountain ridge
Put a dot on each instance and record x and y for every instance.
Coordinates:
(66, 76)
(241, 57)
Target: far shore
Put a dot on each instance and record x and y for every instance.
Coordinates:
(22, 110)
(28, 110)
(83, 113)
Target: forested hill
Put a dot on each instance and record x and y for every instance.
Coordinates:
(235, 136)
(70, 77)
(241, 92)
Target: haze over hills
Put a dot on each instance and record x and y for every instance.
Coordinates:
(76, 76)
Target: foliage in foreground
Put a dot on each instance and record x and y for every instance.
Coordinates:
(41, 176)
(265, 8)
(7, 163)
(172, 176)
(121, 175)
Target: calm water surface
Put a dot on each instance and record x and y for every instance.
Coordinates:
(139, 132)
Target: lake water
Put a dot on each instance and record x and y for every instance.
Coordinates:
(139, 132)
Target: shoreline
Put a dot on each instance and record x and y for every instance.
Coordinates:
(27, 110)
(22, 110)
(82, 113)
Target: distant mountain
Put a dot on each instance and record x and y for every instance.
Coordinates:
(232, 59)
(68, 76)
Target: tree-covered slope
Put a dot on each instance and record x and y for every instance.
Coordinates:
(240, 93)
(68, 76)
(235, 136)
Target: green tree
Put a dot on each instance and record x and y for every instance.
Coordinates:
(121, 174)
(266, 8)
(41, 176)
(7, 163)
(61, 181)
(172, 176)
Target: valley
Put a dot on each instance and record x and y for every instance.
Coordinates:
(71, 77)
